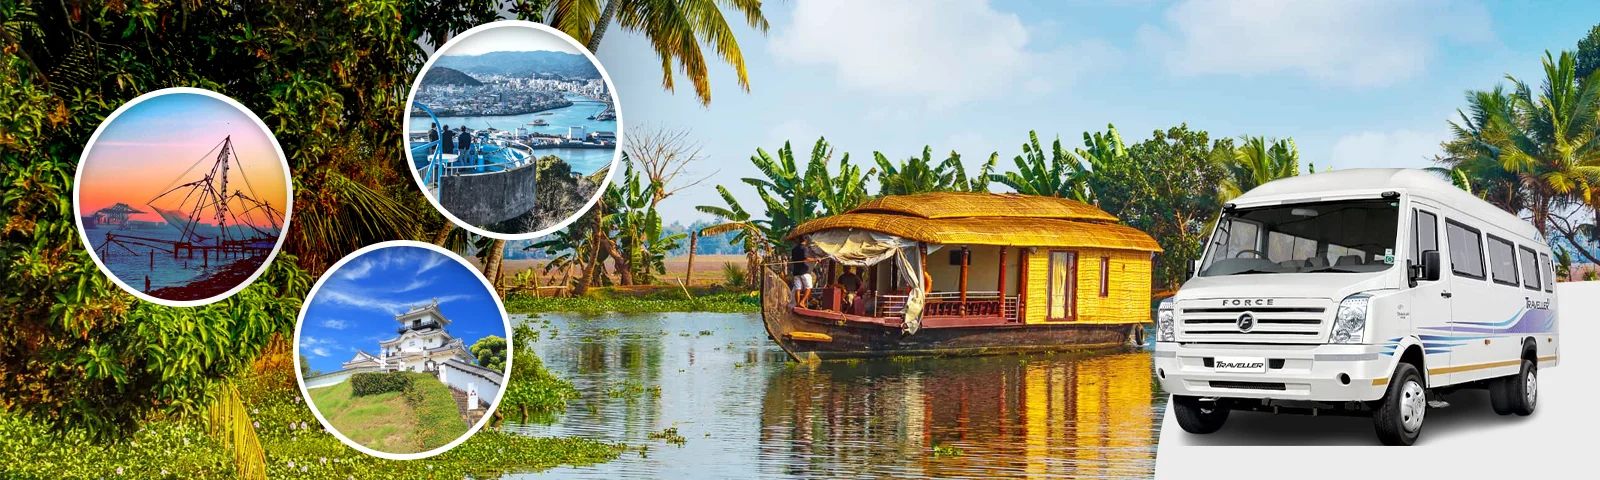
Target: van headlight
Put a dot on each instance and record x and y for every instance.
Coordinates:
(1164, 319)
(1351, 321)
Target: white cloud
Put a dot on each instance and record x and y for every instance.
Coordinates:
(948, 53)
(320, 352)
(336, 324)
(1399, 148)
(372, 302)
(1344, 42)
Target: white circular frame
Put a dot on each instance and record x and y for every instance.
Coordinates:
(77, 183)
(305, 393)
(405, 126)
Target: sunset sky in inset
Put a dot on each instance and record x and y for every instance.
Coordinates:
(146, 149)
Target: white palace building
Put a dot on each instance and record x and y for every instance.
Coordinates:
(423, 345)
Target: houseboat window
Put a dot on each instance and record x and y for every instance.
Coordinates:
(1466, 249)
(1425, 237)
(1063, 276)
(1530, 268)
(1502, 261)
(1352, 236)
(1105, 277)
(1544, 261)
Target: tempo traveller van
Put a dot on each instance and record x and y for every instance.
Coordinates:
(1364, 292)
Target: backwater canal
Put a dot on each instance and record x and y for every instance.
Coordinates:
(744, 411)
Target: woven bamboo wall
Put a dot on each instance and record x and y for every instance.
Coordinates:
(1129, 290)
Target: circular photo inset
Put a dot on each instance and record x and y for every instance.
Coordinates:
(512, 130)
(402, 350)
(182, 197)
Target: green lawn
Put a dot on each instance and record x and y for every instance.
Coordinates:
(390, 422)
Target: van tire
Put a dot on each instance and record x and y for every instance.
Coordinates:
(1499, 395)
(1405, 402)
(1522, 389)
(1199, 417)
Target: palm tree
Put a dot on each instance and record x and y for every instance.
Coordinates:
(1472, 157)
(675, 28)
(1256, 161)
(1062, 175)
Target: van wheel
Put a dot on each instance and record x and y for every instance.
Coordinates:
(1199, 417)
(1398, 418)
(1500, 394)
(1522, 390)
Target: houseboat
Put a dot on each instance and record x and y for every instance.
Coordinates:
(962, 274)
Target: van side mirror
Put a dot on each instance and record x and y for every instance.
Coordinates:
(1429, 270)
(1190, 269)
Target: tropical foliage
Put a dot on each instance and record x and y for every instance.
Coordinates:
(676, 30)
(1060, 175)
(490, 352)
(1534, 152)
(920, 175)
(1257, 160)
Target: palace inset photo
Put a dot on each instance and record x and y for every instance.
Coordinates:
(402, 349)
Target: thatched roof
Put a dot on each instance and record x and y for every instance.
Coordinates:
(959, 205)
(988, 219)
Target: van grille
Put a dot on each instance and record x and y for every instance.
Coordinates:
(1247, 385)
(1288, 320)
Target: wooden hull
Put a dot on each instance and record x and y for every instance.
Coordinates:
(810, 337)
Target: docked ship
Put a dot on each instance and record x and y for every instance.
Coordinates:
(963, 274)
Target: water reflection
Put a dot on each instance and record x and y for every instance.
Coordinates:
(746, 412)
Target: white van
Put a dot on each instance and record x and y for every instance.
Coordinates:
(1364, 291)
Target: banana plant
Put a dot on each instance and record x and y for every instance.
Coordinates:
(751, 233)
(1061, 175)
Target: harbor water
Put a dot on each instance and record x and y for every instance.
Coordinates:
(582, 160)
(743, 410)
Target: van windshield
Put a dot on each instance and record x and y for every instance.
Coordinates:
(1352, 236)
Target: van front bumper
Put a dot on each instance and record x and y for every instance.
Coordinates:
(1304, 372)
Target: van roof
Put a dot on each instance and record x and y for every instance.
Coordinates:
(1409, 180)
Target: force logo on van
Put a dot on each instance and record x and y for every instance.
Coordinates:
(1246, 302)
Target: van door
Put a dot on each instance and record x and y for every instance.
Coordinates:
(1430, 300)
(1476, 301)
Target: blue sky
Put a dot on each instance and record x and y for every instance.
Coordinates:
(1354, 83)
(355, 308)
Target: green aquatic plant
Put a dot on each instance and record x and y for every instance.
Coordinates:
(943, 451)
(669, 435)
(717, 303)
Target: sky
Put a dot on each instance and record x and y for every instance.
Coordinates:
(510, 39)
(146, 150)
(1353, 83)
(355, 308)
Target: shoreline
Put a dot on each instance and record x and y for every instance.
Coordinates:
(211, 285)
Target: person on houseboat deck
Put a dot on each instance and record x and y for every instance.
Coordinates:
(850, 282)
(466, 140)
(433, 137)
(449, 146)
(800, 271)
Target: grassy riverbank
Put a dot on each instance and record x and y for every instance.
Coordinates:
(639, 300)
(294, 443)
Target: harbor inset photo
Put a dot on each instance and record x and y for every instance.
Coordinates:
(402, 350)
(512, 129)
(182, 196)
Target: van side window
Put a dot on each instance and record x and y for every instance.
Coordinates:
(1544, 263)
(1426, 235)
(1530, 268)
(1502, 261)
(1466, 249)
